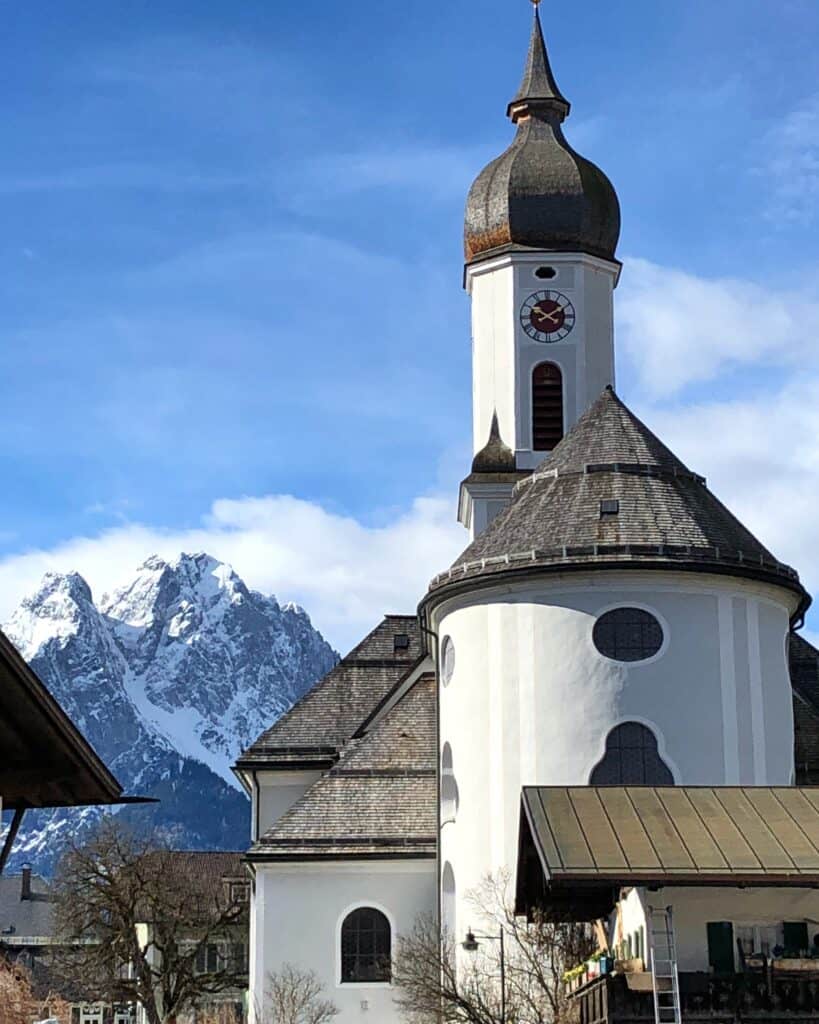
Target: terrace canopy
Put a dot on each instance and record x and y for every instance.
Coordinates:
(580, 845)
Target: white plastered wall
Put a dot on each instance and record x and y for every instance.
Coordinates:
(693, 908)
(504, 356)
(531, 700)
(276, 792)
(298, 910)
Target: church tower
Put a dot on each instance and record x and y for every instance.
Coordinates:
(611, 623)
(542, 225)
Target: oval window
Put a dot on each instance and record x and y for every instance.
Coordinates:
(447, 660)
(628, 634)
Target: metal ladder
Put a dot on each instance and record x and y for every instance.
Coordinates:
(664, 976)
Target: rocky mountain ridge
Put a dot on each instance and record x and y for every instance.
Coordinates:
(169, 678)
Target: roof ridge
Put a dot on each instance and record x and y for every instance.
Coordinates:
(332, 711)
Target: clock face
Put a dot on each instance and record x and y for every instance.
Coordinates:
(547, 316)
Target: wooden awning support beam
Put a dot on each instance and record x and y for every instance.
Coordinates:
(11, 835)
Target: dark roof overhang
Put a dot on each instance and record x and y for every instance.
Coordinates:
(344, 848)
(46, 762)
(287, 758)
(494, 572)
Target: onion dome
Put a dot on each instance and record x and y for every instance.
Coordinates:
(496, 456)
(540, 194)
(612, 496)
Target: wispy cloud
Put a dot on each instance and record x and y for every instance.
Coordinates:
(789, 160)
(761, 456)
(678, 328)
(125, 176)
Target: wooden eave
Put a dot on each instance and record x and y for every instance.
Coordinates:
(46, 762)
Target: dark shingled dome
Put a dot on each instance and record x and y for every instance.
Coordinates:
(540, 194)
(612, 494)
(495, 456)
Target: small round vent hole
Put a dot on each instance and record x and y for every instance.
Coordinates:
(546, 273)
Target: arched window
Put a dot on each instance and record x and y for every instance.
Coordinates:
(448, 893)
(631, 759)
(449, 787)
(547, 407)
(365, 946)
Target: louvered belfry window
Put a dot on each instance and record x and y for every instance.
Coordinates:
(365, 946)
(547, 407)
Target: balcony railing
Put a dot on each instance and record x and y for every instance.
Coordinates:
(776, 997)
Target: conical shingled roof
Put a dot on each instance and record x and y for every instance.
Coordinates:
(612, 495)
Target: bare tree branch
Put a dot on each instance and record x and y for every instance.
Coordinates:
(132, 926)
(294, 996)
(439, 982)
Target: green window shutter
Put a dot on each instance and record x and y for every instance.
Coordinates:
(796, 936)
(721, 946)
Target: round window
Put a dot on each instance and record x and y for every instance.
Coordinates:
(628, 634)
(447, 660)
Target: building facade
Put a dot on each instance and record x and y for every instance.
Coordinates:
(611, 624)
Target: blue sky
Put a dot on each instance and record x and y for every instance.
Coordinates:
(231, 271)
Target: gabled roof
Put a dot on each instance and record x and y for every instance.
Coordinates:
(317, 727)
(29, 917)
(665, 517)
(380, 800)
(201, 879)
(45, 760)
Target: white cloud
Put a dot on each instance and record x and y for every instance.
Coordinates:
(677, 328)
(755, 433)
(346, 574)
(761, 457)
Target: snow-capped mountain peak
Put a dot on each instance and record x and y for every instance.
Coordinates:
(174, 673)
(53, 613)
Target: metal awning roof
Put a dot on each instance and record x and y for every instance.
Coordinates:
(613, 836)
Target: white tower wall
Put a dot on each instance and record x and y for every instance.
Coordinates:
(504, 356)
(531, 700)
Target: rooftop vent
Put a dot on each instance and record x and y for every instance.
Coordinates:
(609, 507)
(400, 642)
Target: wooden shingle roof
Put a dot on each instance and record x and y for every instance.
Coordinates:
(666, 518)
(379, 800)
(317, 727)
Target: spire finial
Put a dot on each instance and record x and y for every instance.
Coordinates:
(538, 90)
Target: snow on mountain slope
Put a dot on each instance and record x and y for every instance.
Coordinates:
(169, 678)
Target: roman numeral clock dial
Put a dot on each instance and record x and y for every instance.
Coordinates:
(547, 316)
